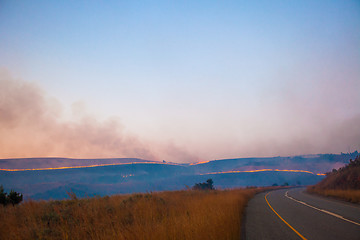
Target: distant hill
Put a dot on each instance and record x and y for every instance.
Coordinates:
(54, 177)
(108, 180)
(319, 163)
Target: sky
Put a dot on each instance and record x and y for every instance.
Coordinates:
(179, 81)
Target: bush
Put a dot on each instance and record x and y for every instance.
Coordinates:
(208, 185)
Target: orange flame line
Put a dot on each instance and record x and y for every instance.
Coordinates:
(265, 170)
(117, 164)
(199, 163)
(89, 166)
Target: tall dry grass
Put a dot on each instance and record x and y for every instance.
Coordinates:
(163, 215)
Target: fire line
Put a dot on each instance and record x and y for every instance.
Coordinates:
(266, 170)
(74, 167)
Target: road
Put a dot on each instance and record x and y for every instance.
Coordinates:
(294, 214)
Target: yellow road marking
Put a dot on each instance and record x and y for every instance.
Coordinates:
(301, 236)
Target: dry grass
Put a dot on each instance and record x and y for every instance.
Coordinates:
(164, 215)
(343, 183)
(349, 195)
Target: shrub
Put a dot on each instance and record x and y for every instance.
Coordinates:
(208, 185)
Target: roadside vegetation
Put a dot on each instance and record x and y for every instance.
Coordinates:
(188, 214)
(343, 183)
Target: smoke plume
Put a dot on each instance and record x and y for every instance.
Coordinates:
(31, 125)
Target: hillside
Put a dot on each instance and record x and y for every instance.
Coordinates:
(52, 178)
(318, 163)
(132, 178)
(342, 183)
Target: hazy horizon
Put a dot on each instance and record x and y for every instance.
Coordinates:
(180, 82)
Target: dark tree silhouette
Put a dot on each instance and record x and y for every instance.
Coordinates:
(208, 185)
(3, 197)
(13, 197)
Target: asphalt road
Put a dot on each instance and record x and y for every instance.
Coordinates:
(294, 214)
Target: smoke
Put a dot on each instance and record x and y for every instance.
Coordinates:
(31, 126)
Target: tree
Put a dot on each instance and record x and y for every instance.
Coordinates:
(208, 185)
(13, 197)
(3, 197)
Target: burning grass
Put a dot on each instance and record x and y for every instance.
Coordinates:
(164, 215)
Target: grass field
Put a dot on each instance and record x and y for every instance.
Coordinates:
(164, 215)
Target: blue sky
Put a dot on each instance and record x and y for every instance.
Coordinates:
(213, 79)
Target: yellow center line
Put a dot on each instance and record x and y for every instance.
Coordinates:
(301, 236)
